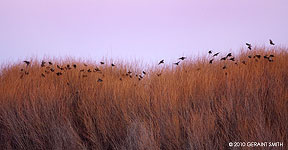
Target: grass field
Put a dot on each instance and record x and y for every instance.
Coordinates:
(195, 105)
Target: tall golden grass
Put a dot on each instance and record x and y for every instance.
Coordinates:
(195, 105)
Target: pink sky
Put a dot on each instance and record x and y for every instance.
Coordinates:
(148, 30)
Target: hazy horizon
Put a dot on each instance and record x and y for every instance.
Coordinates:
(144, 30)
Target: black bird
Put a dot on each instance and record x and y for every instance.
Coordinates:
(99, 80)
(140, 76)
(68, 66)
(52, 70)
(58, 67)
(97, 69)
(43, 75)
(182, 58)
(223, 58)
(266, 56)
(43, 63)
(271, 42)
(22, 70)
(224, 67)
(27, 62)
(249, 46)
(270, 60)
(210, 62)
(89, 70)
(102, 63)
(59, 73)
(209, 52)
(50, 63)
(229, 54)
(215, 54)
(258, 56)
(177, 63)
(74, 65)
(161, 62)
(232, 59)
(249, 56)
(112, 65)
(143, 72)
(129, 72)
(271, 55)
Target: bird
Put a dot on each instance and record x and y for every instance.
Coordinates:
(129, 72)
(43, 63)
(52, 70)
(22, 69)
(232, 59)
(102, 63)
(209, 52)
(89, 70)
(97, 69)
(215, 54)
(74, 65)
(43, 75)
(224, 67)
(229, 54)
(112, 65)
(249, 46)
(50, 63)
(249, 56)
(143, 72)
(258, 56)
(182, 58)
(177, 63)
(161, 62)
(266, 57)
(59, 73)
(271, 55)
(58, 67)
(99, 80)
(271, 42)
(210, 62)
(27, 62)
(223, 58)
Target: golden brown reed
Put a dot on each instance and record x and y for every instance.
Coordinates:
(195, 105)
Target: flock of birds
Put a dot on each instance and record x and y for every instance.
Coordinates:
(59, 70)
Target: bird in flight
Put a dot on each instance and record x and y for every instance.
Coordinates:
(161, 62)
(229, 54)
(271, 42)
(27, 62)
(74, 65)
(182, 58)
(249, 46)
(177, 63)
(215, 54)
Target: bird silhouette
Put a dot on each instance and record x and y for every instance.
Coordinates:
(97, 69)
(161, 62)
(50, 63)
(89, 70)
(99, 80)
(143, 72)
(43, 63)
(22, 70)
(271, 42)
(182, 58)
(249, 46)
(52, 70)
(211, 61)
(27, 62)
(112, 65)
(266, 57)
(74, 65)
(59, 73)
(177, 63)
(129, 72)
(224, 67)
(229, 55)
(43, 75)
(102, 63)
(232, 59)
(249, 56)
(209, 52)
(223, 58)
(215, 54)
(257, 56)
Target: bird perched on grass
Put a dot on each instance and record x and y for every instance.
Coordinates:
(143, 72)
(249, 46)
(59, 73)
(52, 70)
(215, 54)
(99, 80)
(50, 63)
(27, 62)
(43, 75)
(271, 42)
(182, 58)
(102, 63)
(223, 58)
(177, 63)
(224, 67)
(257, 56)
(249, 56)
(229, 55)
(161, 62)
(74, 65)
(43, 63)
(232, 59)
(112, 65)
(210, 52)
